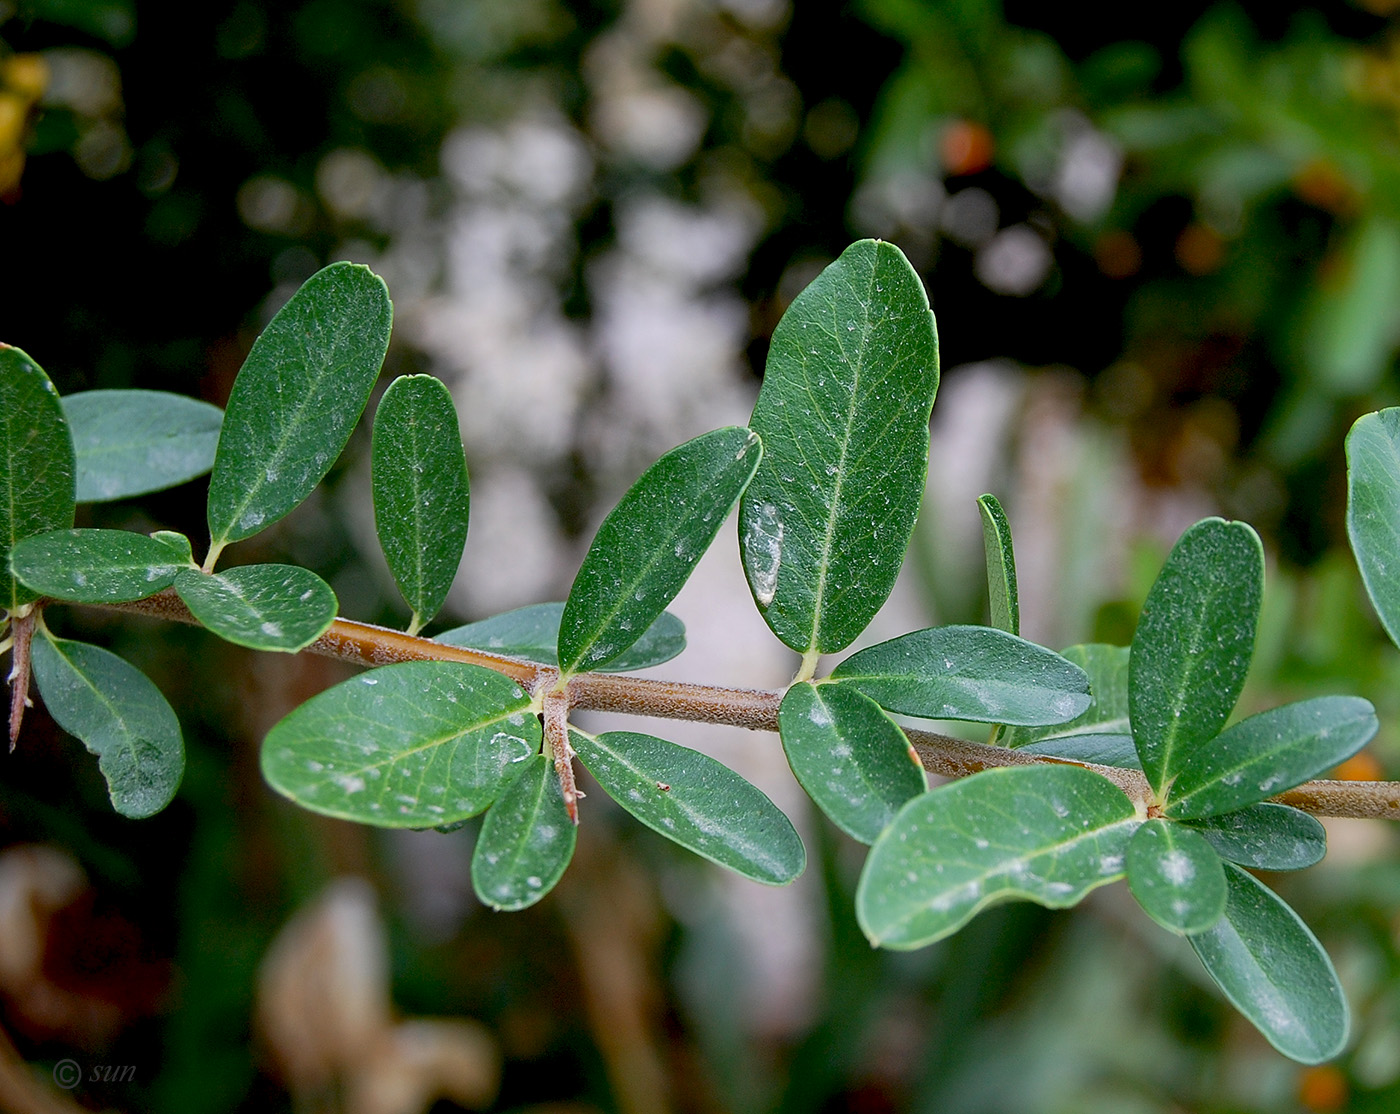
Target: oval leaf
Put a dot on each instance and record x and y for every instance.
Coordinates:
(851, 758)
(843, 413)
(1107, 713)
(532, 633)
(97, 566)
(418, 475)
(1002, 599)
(968, 673)
(263, 607)
(1047, 834)
(699, 803)
(645, 549)
(1273, 970)
(526, 841)
(1373, 510)
(296, 399)
(1103, 750)
(119, 715)
(1193, 645)
(1265, 837)
(1176, 876)
(133, 442)
(412, 745)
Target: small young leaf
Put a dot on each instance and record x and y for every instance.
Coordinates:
(1107, 714)
(843, 413)
(1273, 970)
(1048, 834)
(412, 745)
(263, 607)
(178, 544)
(526, 841)
(851, 758)
(646, 547)
(421, 494)
(968, 673)
(532, 633)
(1265, 837)
(120, 717)
(96, 566)
(36, 464)
(699, 803)
(296, 399)
(133, 442)
(1193, 645)
(1373, 510)
(1103, 750)
(1176, 876)
(1001, 566)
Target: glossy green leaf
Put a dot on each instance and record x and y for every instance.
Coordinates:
(1265, 837)
(1193, 645)
(177, 543)
(699, 803)
(968, 673)
(1047, 834)
(1373, 510)
(119, 715)
(36, 464)
(1273, 970)
(1107, 713)
(96, 566)
(1002, 599)
(263, 607)
(532, 633)
(418, 475)
(526, 841)
(843, 413)
(132, 442)
(296, 399)
(1176, 876)
(647, 546)
(850, 757)
(1270, 752)
(411, 745)
(1105, 750)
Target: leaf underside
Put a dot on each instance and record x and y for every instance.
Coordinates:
(1265, 837)
(1373, 510)
(532, 633)
(1002, 599)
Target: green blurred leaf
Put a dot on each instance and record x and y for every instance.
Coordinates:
(526, 841)
(1105, 750)
(1001, 566)
(1047, 834)
(133, 442)
(646, 547)
(1273, 970)
(119, 715)
(296, 399)
(263, 607)
(1268, 753)
(532, 633)
(36, 464)
(111, 20)
(1176, 876)
(968, 673)
(1107, 713)
(1193, 644)
(1265, 837)
(1373, 510)
(699, 803)
(96, 566)
(1353, 320)
(411, 745)
(421, 492)
(843, 413)
(850, 757)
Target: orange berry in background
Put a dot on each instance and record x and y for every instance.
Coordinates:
(966, 148)
(1359, 767)
(1323, 1088)
(1200, 249)
(1117, 254)
(1320, 183)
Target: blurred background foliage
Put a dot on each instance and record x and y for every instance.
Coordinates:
(1163, 246)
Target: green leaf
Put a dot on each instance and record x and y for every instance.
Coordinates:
(296, 399)
(120, 717)
(1193, 644)
(1373, 510)
(1107, 713)
(36, 464)
(699, 803)
(968, 673)
(112, 20)
(851, 758)
(1105, 750)
(1176, 876)
(133, 442)
(532, 633)
(96, 566)
(1270, 752)
(1272, 969)
(1047, 834)
(177, 543)
(1265, 837)
(1001, 566)
(645, 549)
(843, 413)
(526, 841)
(263, 607)
(421, 495)
(412, 745)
